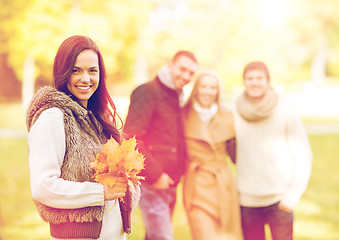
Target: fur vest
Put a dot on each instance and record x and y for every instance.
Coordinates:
(81, 129)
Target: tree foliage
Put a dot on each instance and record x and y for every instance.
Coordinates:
(40, 26)
(224, 34)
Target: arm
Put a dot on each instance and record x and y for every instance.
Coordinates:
(138, 121)
(302, 155)
(139, 114)
(231, 145)
(46, 142)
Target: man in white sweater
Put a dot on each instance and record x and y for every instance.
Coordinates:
(274, 158)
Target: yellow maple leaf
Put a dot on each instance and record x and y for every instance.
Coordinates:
(99, 167)
(106, 178)
(110, 146)
(118, 160)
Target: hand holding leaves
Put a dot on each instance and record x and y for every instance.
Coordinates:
(117, 161)
(118, 190)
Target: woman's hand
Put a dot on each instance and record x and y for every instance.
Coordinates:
(118, 190)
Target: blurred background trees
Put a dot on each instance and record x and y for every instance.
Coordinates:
(296, 38)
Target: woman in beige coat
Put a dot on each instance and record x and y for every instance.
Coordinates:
(210, 194)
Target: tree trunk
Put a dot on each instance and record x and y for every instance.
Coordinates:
(140, 71)
(28, 81)
(318, 67)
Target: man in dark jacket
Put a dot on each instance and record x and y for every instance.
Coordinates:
(154, 117)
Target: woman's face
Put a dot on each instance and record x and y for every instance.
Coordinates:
(84, 79)
(207, 91)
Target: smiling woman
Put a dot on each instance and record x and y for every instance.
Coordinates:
(67, 126)
(209, 188)
(84, 80)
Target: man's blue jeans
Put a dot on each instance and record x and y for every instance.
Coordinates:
(157, 209)
(254, 220)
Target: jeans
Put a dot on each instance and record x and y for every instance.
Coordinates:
(254, 220)
(157, 209)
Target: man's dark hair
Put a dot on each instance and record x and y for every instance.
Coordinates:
(184, 53)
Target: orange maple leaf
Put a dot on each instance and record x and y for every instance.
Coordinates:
(118, 161)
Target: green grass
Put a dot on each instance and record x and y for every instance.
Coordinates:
(320, 119)
(20, 219)
(316, 215)
(12, 115)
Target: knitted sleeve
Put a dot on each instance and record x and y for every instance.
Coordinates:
(46, 142)
(302, 156)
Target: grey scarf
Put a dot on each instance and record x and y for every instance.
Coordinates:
(253, 112)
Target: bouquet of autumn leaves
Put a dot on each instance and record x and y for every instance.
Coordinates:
(119, 161)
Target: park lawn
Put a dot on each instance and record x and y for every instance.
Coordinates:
(12, 115)
(19, 217)
(317, 213)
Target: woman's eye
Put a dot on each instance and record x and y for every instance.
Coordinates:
(75, 71)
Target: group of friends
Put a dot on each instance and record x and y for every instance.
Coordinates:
(196, 141)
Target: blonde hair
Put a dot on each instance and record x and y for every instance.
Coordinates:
(194, 92)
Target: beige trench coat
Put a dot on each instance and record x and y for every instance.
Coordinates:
(209, 189)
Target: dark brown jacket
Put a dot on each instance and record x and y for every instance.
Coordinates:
(154, 117)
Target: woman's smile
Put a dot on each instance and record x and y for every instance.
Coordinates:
(84, 80)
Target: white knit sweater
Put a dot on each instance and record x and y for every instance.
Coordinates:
(274, 159)
(46, 141)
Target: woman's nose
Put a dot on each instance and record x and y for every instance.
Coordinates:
(85, 77)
